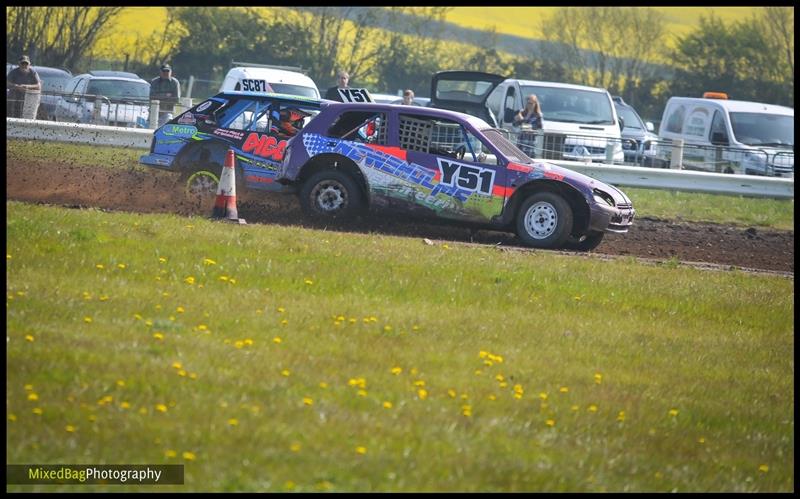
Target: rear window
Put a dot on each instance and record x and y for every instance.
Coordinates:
(469, 91)
(285, 88)
(119, 89)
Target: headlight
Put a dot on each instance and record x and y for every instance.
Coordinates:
(602, 197)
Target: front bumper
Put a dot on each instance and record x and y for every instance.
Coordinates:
(617, 219)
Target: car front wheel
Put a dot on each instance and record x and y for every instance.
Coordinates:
(544, 220)
(330, 194)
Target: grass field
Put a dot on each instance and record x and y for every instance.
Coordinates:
(274, 358)
(668, 205)
(518, 21)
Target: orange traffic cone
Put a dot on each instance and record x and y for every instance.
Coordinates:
(225, 204)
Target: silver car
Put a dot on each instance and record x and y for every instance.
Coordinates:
(112, 98)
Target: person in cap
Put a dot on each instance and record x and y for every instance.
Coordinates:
(167, 90)
(20, 81)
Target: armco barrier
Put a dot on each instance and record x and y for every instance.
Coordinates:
(630, 176)
(82, 134)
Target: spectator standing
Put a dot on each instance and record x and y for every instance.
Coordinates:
(167, 90)
(25, 88)
(531, 114)
(408, 97)
(342, 80)
(529, 119)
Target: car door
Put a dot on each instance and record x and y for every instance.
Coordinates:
(461, 176)
(67, 105)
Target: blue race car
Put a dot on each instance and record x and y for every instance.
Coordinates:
(256, 126)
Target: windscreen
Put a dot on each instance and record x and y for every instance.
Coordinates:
(119, 89)
(761, 129)
(630, 118)
(569, 105)
(285, 88)
(511, 151)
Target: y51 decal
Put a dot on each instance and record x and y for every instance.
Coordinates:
(468, 177)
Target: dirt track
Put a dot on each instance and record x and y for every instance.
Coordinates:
(71, 185)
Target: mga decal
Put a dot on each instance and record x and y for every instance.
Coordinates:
(264, 146)
(205, 105)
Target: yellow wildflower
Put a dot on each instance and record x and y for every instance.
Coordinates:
(387, 405)
(673, 412)
(161, 408)
(29, 337)
(233, 422)
(69, 428)
(189, 456)
(361, 450)
(397, 370)
(308, 401)
(170, 453)
(285, 372)
(33, 396)
(276, 339)
(550, 422)
(208, 261)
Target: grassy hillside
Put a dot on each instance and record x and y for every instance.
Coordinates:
(249, 355)
(526, 21)
(518, 21)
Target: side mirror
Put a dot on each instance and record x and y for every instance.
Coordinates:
(621, 122)
(649, 126)
(719, 139)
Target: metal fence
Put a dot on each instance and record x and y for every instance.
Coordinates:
(88, 109)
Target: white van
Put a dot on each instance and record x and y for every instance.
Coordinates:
(730, 135)
(579, 122)
(268, 79)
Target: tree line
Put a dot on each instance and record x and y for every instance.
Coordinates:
(623, 49)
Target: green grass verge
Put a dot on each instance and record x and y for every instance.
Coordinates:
(274, 358)
(668, 205)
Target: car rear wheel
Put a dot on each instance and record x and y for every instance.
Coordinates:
(591, 242)
(544, 220)
(331, 194)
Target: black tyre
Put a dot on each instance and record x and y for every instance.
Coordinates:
(592, 241)
(544, 220)
(331, 194)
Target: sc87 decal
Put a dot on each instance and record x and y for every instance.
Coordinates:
(255, 85)
(355, 95)
(468, 177)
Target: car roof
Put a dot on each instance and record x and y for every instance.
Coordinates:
(268, 95)
(560, 85)
(117, 78)
(120, 74)
(427, 111)
(739, 106)
(272, 75)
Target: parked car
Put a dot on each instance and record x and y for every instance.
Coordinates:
(356, 156)
(638, 139)
(194, 143)
(123, 99)
(730, 135)
(579, 122)
(269, 79)
(54, 81)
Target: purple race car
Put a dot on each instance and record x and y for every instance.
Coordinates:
(449, 165)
